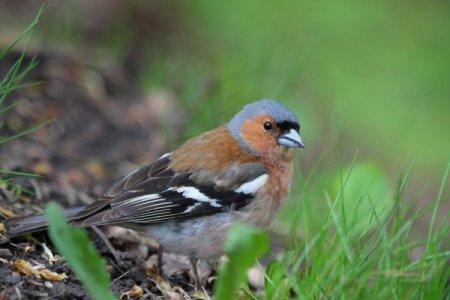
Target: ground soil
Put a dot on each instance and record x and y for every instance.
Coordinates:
(102, 128)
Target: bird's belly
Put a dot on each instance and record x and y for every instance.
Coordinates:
(202, 237)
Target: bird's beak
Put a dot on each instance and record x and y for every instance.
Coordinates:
(291, 139)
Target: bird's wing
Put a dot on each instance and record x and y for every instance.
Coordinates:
(156, 193)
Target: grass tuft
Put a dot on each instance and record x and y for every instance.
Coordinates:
(383, 261)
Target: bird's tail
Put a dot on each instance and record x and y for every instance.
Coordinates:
(22, 225)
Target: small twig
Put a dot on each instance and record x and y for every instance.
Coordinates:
(124, 274)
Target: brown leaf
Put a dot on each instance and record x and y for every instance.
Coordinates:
(52, 276)
(2, 228)
(7, 213)
(136, 291)
(24, 267)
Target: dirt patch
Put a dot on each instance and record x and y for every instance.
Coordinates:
(129, 271)
(103, 128)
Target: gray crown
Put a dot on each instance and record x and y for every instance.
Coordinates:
(266, 106)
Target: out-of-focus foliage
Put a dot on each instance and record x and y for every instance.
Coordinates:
(381, 68)
(243, 246)
(365, 192)
(276, 286)
(333, 256)
(80, 254)
(377, 69)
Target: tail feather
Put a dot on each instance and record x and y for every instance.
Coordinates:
(22, 225)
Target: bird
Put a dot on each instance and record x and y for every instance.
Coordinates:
(187, 199)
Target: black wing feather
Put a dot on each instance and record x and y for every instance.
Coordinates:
(156, 193)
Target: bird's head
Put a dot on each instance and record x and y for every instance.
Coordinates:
(265, 127)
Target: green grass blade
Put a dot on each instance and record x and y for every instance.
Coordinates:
(80, 254)
(340, 229)
(436, 206)
(9, 107)
(22, 133)
(13, 76)
(17, 173)
(27, 31)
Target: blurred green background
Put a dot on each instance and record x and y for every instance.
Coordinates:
(366, 75)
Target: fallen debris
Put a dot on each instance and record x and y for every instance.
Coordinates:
(26, 268)
(49, 255)
(7, 213)
(52, 276)
(2, 228)
(135, 292)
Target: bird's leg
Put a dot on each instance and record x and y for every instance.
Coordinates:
(197, 281)
(160, 259)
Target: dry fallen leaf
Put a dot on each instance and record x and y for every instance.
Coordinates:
(7, 213)
(163, 285)
(136, 291)
(52, 276)
(29, 248)
(2, 228)
(24, 267)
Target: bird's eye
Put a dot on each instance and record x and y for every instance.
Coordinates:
(267, 125)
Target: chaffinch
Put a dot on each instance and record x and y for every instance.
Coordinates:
(186, 199)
